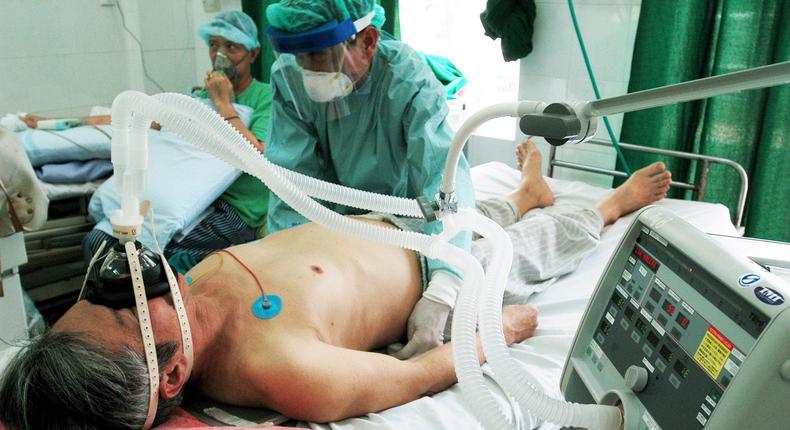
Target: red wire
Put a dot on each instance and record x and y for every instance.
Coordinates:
(248, 270)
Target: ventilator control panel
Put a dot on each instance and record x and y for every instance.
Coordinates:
(673, 336)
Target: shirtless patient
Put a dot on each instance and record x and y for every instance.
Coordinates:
(342, 297)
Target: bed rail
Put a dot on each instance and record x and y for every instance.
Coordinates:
(698, 187)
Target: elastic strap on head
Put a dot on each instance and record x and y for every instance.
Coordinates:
(149, 345)
(96, 256)
(365, 21)
(178, 302)
(183, 320)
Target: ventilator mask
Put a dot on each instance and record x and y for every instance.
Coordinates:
(113, 285)
(130, 275)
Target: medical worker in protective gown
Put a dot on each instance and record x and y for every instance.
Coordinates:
(354, 107)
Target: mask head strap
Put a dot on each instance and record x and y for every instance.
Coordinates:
(149, 345)
(143, 317)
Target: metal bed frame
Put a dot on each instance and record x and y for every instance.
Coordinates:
(55, 268)
(698, 187)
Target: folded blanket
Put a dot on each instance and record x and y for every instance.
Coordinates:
(74, 144)
(81, 143)
(75, 171)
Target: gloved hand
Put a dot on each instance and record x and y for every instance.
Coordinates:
(425, 328)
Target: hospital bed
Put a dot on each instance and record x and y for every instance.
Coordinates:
(561, 307)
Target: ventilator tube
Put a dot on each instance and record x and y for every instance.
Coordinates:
(215, 125)
(507, 372)
(467, 364)
(513, 109)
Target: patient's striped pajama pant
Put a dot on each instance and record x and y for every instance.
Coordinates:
(547, 242)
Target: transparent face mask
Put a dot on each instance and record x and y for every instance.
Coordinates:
(224, 65)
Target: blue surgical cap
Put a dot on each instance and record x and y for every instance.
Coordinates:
(233, 25)
(302, 15)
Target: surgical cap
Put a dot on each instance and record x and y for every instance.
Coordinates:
(302, 15)
(233, 25)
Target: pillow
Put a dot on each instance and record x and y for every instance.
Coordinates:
(182, 181)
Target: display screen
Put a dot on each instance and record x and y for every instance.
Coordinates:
(646, 258)
(669, 307)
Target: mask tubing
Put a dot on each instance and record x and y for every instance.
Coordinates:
(513, 109)
(508, 373)
(471, 381)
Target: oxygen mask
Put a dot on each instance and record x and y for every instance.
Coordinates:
(223, 64)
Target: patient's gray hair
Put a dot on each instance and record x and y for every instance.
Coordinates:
(61, 380)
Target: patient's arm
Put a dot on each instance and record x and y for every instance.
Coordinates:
(327, 383)
(32, 120)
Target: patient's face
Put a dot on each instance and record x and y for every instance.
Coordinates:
(116, 328)
(236, 52)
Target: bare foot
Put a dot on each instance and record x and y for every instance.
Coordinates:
(647, 185)
(519, 322)
(533, 191)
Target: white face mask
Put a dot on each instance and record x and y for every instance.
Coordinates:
(324, 87)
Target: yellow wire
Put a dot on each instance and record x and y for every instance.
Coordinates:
(210, 271)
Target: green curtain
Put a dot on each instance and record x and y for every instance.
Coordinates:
(392, 12)
(256, 9)
(699, 38)
(769, 210)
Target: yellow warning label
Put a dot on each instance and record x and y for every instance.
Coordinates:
(713, 352)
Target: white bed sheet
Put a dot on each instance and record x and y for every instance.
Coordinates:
(561, 307)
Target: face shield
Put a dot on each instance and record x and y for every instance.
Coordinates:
(319, 68)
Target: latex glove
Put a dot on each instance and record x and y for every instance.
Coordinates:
(219, 87)
(425, 328)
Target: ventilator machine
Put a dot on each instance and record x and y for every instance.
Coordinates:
(684, 333)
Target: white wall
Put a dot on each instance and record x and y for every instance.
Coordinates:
(62, 57)
(555, 72)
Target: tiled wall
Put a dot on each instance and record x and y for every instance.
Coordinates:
(62, 57)
(555, 72)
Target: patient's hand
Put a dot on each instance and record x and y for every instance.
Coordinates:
(519, 322)
(32, 120)
(219, 87)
